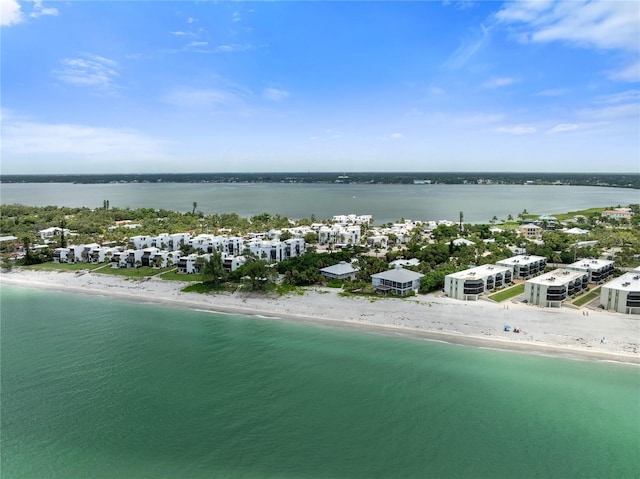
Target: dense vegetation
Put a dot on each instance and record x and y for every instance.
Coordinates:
(630, 180)
(436, 251)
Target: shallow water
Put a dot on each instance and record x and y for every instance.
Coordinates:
(93, 387)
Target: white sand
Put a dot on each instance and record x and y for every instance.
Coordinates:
(566, 331)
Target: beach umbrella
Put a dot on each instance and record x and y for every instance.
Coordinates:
(507, 327)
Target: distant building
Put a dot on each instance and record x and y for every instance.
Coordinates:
(530, 231)
(618, 214)
(622, 294)
(398, 280)
(551, 289)
(51, 232)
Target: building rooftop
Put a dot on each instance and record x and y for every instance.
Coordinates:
(481, 271)
(399, 275)
(520, 259)
(628, 282)
(590, 263)
(339, 269)
(557, 276)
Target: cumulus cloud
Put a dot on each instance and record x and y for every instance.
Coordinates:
(90, 70)
(562, 127)
(10, 13)
(273, 94)
(517, 130)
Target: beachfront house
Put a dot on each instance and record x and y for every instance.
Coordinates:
(398, 281)
(597, 269)
(551, 289)
(622, 294)
(341, 271)
(469, 284)
(524, 266)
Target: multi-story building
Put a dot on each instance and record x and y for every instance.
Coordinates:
(622, 294)
(471, 283)
(551, 289)
(397, 280)
(597, 269)
(524, 266)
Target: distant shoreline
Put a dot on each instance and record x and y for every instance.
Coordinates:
(615, 180)
(560, 333)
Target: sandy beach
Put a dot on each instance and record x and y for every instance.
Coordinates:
(566, 332)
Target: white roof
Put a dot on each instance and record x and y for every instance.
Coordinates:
(481, 271)
(557, 276)
(576, 231)
(399, 275)
(339, 269)
(520, 259)
(590, 263)
(627, 282)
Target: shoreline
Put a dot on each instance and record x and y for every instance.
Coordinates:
(563, 333)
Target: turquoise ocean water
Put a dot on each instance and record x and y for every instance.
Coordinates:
(92, 387)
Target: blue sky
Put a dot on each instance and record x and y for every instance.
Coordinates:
(130, 86)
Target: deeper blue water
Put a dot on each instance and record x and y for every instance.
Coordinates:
(92, 387)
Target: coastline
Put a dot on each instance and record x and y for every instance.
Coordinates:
(565, 332)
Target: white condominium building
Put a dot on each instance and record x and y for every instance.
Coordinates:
(622, 294)
(471, 283)
(524, 266)
(551, 289)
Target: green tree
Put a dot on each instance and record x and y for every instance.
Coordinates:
(195, 205)
(212, 270)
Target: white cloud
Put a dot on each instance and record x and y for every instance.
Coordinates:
(467, 49)
(517, 130)
(273, 94)
(562, 127)
(203, 98)
(628, 96)
(93, 70)
(198, 44)
(630, 73)
(396, 136)
(21, 137)
(40, 10)
(497, 82)
(10, 13)
(598, 23)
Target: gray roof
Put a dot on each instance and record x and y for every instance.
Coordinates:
(339, 269)
(399, 275)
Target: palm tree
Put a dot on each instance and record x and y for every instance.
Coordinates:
(195, 205)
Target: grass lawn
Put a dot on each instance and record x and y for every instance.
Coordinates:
(508, 293)
(590, 296)
(571, 214)
(141, 272)
(50, 266)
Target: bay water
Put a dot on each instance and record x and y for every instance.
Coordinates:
(387, 203)
(94, 387)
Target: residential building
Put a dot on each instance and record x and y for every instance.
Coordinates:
(397, 280)
(551, 289)
(524, 266)
(404, 262)
(618, 214)
(342, 270)
(471, 283)
(622, 294)
(597, 269)
(530, 231)
(49, 233)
